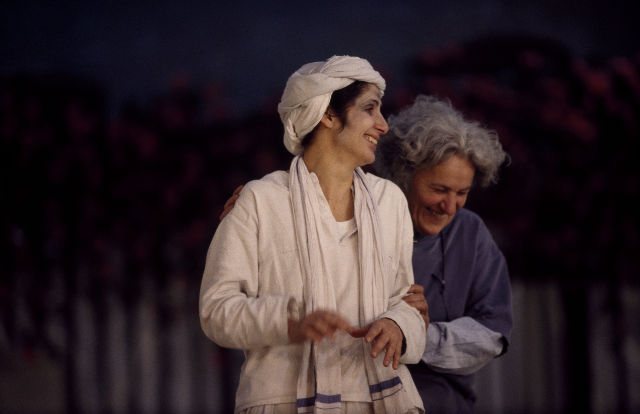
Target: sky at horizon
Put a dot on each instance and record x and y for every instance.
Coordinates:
(137, 49)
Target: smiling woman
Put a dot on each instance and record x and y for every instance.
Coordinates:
(308, 272)
(354, 114)
(436, 155)
(437, 193)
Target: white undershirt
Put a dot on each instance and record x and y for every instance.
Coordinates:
(340, 262)
(345, 270)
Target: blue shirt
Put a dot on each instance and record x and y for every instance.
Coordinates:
(467, 288)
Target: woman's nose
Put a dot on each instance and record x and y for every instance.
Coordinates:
(382, 125)
(450, 204)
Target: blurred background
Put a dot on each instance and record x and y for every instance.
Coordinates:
(124, 126)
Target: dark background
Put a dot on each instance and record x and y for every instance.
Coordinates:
(124, 126)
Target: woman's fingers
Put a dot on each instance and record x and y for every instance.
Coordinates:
(392, 355)
(231, 202)
(418, 302)
(319, 325)
(415, 297)
(419, 289)
(385, 335)
(359, 332)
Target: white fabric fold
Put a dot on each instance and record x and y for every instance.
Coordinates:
(319, 381)
(308, 92)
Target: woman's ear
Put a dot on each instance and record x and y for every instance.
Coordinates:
(328, 119)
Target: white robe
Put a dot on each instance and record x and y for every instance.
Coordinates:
(253, 270)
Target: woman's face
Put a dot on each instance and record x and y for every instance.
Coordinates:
(437, 193)
(364, 124)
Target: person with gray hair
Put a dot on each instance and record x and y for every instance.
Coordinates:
(308, 273)
(436, 156)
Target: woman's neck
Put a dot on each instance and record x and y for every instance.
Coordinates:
(335, 181)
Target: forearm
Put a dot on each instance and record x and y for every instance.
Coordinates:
(461, 346)
(241, 322)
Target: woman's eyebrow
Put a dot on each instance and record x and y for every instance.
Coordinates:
(374, 101)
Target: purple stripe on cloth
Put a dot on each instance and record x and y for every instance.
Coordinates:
(321, 398)
(384, 385)
(388, 395)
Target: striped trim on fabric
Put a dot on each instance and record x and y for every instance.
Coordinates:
(385, 389)
(320, 398)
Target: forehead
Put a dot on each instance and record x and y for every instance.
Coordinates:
(370, 92)
(455, 172)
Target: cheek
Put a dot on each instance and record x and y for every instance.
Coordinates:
(428, 200)
(362, 121)
(418, 202)
(414, 210)
(355, 127)
(412, 205)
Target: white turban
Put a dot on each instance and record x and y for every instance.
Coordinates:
(308, 92)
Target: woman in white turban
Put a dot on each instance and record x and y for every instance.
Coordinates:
(307, 273)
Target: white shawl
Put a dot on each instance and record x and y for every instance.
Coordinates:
(319, 380)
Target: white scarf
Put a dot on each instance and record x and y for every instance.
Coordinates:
(308, 91)
(319, 379)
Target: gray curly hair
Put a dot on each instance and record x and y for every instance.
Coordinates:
(428, 133)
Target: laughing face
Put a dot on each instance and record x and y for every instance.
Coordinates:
(437, 193)
(363, 127)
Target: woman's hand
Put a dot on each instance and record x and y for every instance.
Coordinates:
(384, 334)
(316, 326)
(231, 202)
(415, 297)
